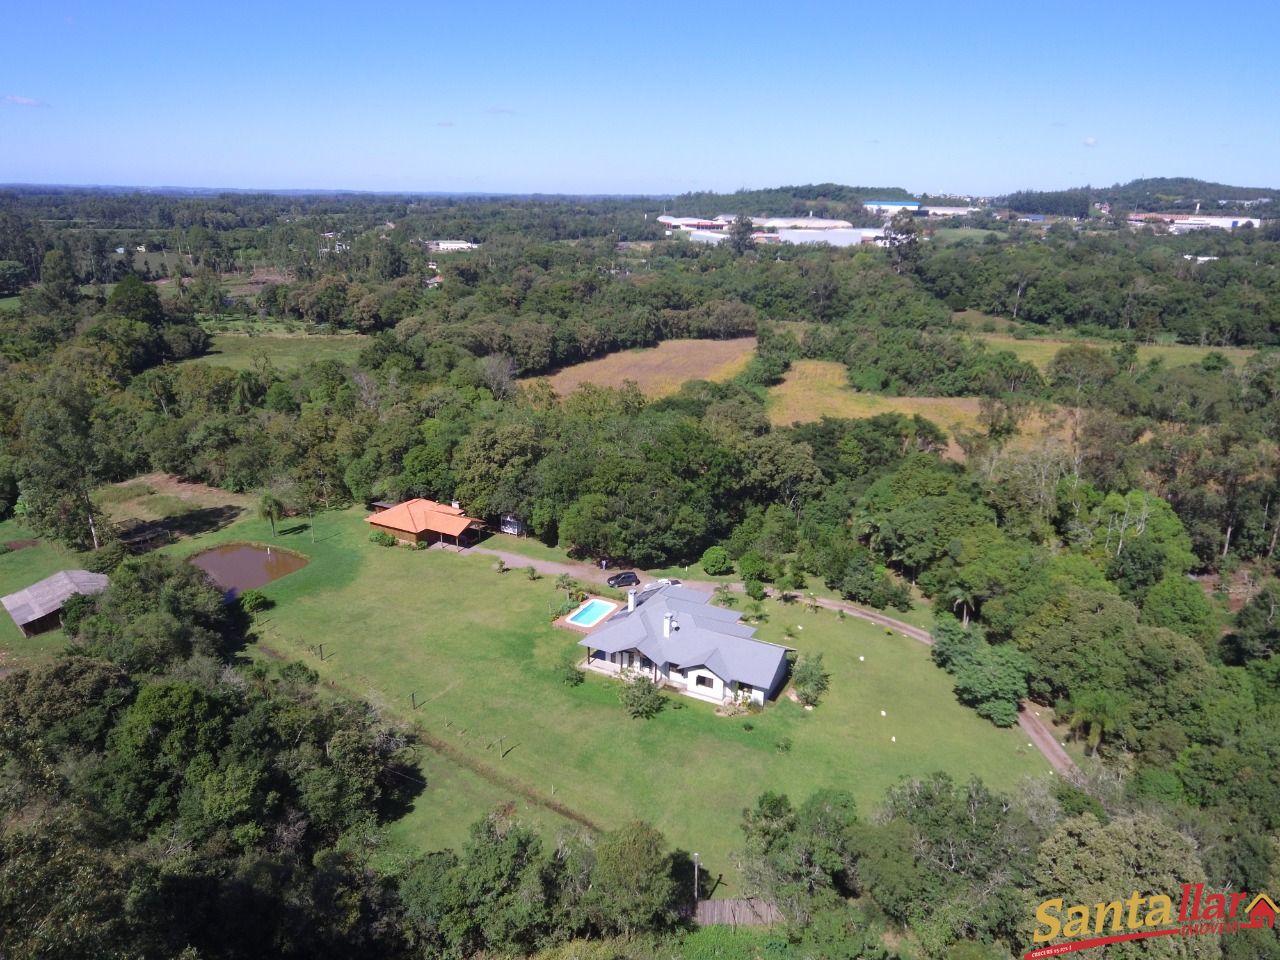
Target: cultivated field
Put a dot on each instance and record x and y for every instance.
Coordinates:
(662, 369)
(286, 353)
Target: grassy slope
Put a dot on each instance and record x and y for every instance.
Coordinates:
(286, 353)
(480, 653)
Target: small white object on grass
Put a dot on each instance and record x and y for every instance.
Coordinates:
(1028, 744)
(893, 739)
(799, 627)
(861, 658)
(883, 714)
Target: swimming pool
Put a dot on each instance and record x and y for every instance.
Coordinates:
(592, 612)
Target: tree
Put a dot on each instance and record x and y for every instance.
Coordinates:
(740, 235)
(12, 275)
(641, 696)
(1180, 604)
(1086, 862)
(271, 509)
(136, 300)
(65, 458)
(631, 883)
(715, 562)
(810, 679)
(902, 237)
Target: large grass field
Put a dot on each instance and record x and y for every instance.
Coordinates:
(286, 353)
(660, 370)
(813, 389)
(1039, 351)
(479, 652)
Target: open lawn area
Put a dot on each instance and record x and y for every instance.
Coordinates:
(286, 353)
(660, 370)
(479, 653)
(10, 303)
(20, 569)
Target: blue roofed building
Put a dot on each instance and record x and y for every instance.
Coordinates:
(677, 638)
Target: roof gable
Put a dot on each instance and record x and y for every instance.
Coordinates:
(422, 516)
(50, 594)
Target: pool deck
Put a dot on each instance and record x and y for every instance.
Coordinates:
(579, 628)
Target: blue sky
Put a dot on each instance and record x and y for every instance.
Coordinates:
(639, 97)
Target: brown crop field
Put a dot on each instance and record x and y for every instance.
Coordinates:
(813, 389)
(660, 370)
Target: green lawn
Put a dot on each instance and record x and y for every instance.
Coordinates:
(480, 653)
(19, 569)
(10, 303)
(286, 353)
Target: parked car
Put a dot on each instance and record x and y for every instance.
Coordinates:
(627, 578)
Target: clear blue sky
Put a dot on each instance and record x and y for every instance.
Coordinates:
(639, 97)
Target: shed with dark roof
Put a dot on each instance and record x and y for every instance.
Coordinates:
(38, 607)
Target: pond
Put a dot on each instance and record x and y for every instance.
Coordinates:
(243, 566)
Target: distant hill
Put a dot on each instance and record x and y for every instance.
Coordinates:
(1153, 194)
(823, 199)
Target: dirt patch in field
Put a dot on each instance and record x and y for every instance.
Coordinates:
(20, 544)
(660, 370)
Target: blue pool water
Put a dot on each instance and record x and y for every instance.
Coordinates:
(591, 613)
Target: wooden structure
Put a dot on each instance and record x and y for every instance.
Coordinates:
(425, 521)
(39, 606)
(737, 913)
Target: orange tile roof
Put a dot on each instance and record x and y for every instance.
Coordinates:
(420, 516)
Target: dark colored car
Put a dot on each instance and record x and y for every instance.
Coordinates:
(625, 579)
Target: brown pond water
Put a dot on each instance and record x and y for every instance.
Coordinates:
(240, 566)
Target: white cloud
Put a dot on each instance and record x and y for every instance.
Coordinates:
(1090, 141)
(16, 100)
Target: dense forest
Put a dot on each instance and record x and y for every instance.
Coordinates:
(1069, 568)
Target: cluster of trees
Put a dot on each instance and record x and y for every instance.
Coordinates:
(963, 868)
(1173, 194)
(1121, 283)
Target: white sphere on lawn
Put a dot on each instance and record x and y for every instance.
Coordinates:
(883, 714)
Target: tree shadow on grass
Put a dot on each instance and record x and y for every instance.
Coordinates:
(200, 520)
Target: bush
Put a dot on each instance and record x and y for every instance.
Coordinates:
(810, 679)
(752, 566)
(783, 744)
(106, 558)
(532, 573)
(716, 562)
(382, 538)
(754, 589)
(570, 674)
(641, 697)
(255, 601)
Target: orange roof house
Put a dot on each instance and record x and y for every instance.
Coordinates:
(1262, 912)
(425, 521)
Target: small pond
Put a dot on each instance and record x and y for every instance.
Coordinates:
(243, 566)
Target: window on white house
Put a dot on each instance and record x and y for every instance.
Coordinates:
(704, 681)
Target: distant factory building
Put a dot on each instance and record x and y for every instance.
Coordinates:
(1185, 223)
(891, 207)
(935, 211)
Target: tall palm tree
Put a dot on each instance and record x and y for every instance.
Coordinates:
(270, 508)
(1098, 712)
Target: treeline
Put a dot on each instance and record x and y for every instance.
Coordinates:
(832, 200)
(1121, 284)
(1155, 194)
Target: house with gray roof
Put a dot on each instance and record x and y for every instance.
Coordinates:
(674, 636)
(38, 607)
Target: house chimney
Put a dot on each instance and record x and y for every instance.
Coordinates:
(456, 505)
(631, 601)
(666, 624)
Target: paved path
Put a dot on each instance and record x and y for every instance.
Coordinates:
(1037, 730)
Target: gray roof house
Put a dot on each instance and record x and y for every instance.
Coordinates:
(37, 607)
(676, 637)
